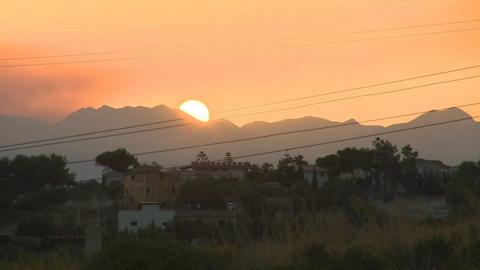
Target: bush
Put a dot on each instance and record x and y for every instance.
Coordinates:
(42, 199)
(153, 252)
(316, 257)
(5, 201)
(36, 226)
(434, 253)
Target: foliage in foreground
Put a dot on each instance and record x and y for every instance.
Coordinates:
(153, 251)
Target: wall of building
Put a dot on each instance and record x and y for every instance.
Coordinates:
(321, 175)
(149, 215)
(238, 174)
(151, 187)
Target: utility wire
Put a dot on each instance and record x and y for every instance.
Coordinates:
(95, 138)
(348, 89)
(339, 141)
(354, 97)
(246, 17)
(280, 133)
(357, 137)
(242, 115)
(247, 107)
(235, 51)
(93, 132)
(233, 43)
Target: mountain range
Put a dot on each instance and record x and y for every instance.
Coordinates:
(450, 143)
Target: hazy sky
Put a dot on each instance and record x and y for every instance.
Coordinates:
(240, 74)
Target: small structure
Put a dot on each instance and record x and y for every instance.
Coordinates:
(433, 167)
(110, 176)
(150, 214)
(355, 174)
(215, 170)
(312, 174)
(210, 217)
(148, 183)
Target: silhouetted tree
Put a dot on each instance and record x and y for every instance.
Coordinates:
(387, 164)
(228, 158)
(201, 157)
(409, 169)
(29, 174)
(331, 163)
(119, 160)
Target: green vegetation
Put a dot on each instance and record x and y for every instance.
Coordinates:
(119, 160)
(284, 223)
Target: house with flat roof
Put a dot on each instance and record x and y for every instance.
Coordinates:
(149, 183)
(312, 174)
(150, 214)
(216, 170)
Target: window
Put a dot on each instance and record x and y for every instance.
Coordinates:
(148, 190)
(173, 190)
(133, 223)
(132, 176)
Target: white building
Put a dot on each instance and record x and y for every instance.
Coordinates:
(149, 215)
(312, 173)
(216, 170)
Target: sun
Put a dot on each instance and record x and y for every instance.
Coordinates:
(196, 109)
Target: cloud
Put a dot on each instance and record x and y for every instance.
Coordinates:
(52, 92)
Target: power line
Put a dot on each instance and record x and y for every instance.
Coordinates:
(247, 17)
(348, 89)
(357, 137)
(242, 115)
(280, 133)
(236, 51)
(233, 43)
(342, 140)
(354, 97)
(92, 132)
(94, 138)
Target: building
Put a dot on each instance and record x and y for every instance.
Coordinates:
(312, 173)
(216, 170)
(433, 167)
(209, 217)
(110, 176)
(150, 214)
(148, 183)
(357, 173)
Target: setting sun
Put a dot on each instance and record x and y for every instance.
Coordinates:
(196, 109)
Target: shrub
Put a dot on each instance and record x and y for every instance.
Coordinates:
(153, 252)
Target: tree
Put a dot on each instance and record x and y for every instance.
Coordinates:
(153, 251)
(207, 193)
(287, 171)
(201, 157)
(331, 163)
(119, 160)
(228, 158)
(299, 160)
(387, 164)
(267, 167)
(353, 158)
(29, 174)
(409, 168)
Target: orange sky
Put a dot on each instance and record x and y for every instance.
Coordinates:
(235, 79)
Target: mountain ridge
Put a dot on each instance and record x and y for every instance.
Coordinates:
(448, 143)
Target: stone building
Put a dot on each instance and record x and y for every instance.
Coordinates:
(217, 170)
(149, 183)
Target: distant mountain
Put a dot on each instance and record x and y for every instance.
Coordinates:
(448, 143)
